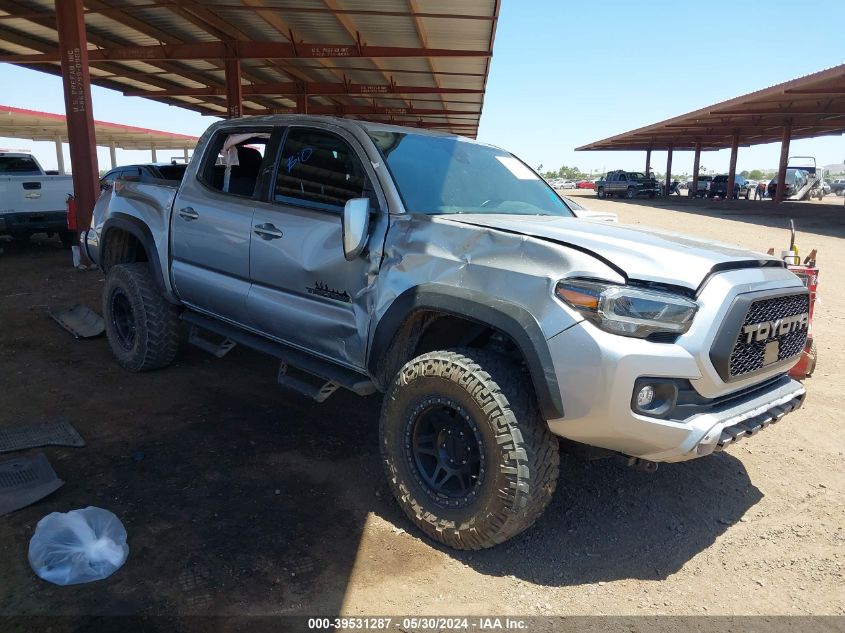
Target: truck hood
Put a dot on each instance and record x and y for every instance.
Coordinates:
(637, 253)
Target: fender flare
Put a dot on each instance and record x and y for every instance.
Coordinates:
(142, 233)
(509, 318)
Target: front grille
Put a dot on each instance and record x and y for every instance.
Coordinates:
(747, 356)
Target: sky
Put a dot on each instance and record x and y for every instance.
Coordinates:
(564, 74)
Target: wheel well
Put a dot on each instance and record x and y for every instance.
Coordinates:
(430, 330)
(122, 247)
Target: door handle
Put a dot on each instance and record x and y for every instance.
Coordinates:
(268, 232)
(189, 214)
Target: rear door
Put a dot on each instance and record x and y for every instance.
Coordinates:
(304, 292)
(212, 223)
(619, 184)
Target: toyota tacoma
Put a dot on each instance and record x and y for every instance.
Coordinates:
(448, 275)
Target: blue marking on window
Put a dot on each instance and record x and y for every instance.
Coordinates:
(301, 156)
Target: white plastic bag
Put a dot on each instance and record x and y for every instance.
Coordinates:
(79, 546)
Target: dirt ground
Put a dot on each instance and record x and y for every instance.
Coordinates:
(240, 498)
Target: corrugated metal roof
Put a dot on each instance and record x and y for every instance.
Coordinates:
(812, 105)
(365, 52)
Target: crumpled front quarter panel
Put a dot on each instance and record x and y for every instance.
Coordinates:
(425, 250)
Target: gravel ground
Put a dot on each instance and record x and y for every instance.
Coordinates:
(242, 499)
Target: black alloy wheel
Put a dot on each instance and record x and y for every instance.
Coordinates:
(446, 452)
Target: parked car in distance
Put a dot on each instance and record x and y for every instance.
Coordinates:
(568, 184)
(31, 201)
(702, 189)
(629, 184)
(719, 187)
(144, 172)
(838, 186)
(446, 274)
(585, 184)
(796, 179)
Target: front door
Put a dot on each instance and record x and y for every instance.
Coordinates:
(212, 224)
(304, 292)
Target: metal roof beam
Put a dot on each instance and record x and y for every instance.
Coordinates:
(310, 88)
(245, 50)
(358, 110)
(300, 9)
(826, 90)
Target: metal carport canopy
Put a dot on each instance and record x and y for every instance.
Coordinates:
(813, 105)
(405, 61)
(46, 126)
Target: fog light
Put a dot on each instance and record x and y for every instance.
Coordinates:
(645, 397)
(654, 397)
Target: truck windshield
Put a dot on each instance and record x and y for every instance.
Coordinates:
(442, 175)
(23, 165)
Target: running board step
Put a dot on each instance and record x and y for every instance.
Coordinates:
(216, 349)
(318, 393)
(328, 372)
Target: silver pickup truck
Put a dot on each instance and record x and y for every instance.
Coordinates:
(448, 275)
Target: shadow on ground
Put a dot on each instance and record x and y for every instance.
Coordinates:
(608, 522)
(240, 498)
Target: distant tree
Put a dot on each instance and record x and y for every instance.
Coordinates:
(745, 173)
(755, 174)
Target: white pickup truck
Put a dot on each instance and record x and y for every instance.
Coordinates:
(30, 200)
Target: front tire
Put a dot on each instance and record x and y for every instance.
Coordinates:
(630, 193)
(467, 454)
(142, 327)
(600, 192)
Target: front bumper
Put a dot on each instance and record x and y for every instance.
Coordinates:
(596, 393)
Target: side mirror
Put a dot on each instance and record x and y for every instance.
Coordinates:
(355, 222)
(105, 185)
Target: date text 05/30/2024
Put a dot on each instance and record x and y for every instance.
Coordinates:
(419, 623)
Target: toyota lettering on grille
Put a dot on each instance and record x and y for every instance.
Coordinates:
(766, 330)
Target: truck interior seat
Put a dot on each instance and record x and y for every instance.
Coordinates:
(245, 173)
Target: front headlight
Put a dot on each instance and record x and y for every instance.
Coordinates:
(627, 310)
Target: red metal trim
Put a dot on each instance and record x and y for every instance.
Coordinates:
(784, 159)
(695, 167)
(287, 9)
(245, 50)
(119, 127)
(732, 167)
(356, 110)
(76, 81)
(304, 88)
(669, 153)
(234, 90)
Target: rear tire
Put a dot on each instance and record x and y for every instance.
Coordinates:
(142, 327)
(470, 415)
